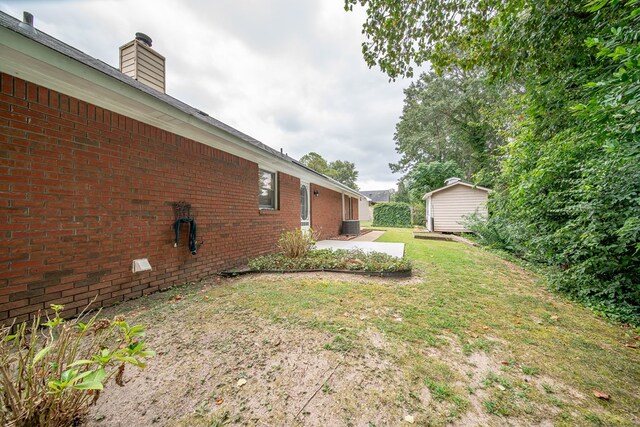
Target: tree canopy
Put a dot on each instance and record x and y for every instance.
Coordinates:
(340, 170)
(445, 118)
(426, 177)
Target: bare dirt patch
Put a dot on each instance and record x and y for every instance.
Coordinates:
(204, 353)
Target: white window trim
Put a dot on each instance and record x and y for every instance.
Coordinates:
(275, 188)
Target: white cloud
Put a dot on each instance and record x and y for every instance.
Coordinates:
(289, 73)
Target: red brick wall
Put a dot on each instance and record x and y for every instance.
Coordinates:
(84, 191)
(326, 212)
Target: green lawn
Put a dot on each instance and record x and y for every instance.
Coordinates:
(471, 340)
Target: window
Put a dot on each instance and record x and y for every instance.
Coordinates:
(267, 187)
(304, 205)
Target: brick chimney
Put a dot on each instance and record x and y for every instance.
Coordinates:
(144, 64)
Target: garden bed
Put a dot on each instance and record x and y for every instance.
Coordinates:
(351, 236)
(391, 274)
(339, 261)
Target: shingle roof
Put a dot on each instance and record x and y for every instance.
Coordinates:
(36, 35)
(454, 184)
(378, 196)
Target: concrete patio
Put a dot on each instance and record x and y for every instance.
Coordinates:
(365, 243)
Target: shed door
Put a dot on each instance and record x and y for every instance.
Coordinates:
(304, 206)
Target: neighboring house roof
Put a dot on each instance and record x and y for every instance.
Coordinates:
(50, 42)
(446, 187)
(378, 196)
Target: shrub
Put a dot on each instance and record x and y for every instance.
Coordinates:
(419, 214)
(495, 232)
(326, 259)
(51, 372)
(296, 243)
(392, 214)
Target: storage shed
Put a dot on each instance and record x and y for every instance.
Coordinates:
(447, 206)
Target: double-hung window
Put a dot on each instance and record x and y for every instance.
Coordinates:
(268, 189)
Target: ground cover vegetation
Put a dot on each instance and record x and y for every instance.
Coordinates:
(327, 259)
(470, 339)
(540, 101)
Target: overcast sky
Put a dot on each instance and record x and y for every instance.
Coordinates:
(289, 73)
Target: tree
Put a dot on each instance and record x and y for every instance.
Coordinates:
(446, 118)
(345, 172)
(426, 177)
(505, 36)
(402, 195)
(342, 171)
(316, 162)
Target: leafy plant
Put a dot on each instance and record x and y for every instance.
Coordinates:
(392, 214)
(53, 370)
(495, 232)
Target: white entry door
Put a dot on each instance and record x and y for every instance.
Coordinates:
(305, 208)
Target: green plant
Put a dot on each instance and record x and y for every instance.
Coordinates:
(439, 391)
(296, 243)
(326, 259)
(391, 215)
(339, 344)
(528, 370)
(326, 388)
(52, 371)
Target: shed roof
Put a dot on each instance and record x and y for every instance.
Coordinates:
(446, 187)
(378, 196)
(13, 24)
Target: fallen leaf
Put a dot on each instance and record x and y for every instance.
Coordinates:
(601, 395)
(241, 382)
(505, 363)
(409, 418)
(219, 401)
(554, 317)
(485, 328)
(630, 345)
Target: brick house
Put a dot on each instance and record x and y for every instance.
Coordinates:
(93, 160)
